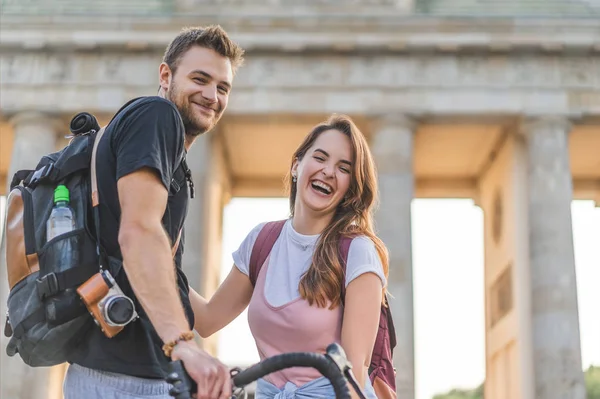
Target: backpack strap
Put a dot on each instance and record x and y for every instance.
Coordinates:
(95, 198)
(94, 177)
(188, 175)
(262, 247)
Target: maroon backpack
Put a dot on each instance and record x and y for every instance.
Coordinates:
(381, 370)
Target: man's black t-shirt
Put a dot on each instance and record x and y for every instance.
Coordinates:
(148, 132)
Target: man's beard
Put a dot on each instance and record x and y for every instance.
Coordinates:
(193, 125)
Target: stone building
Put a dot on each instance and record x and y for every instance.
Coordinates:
(494, 101)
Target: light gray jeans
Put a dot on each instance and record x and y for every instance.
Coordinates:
(83, 383)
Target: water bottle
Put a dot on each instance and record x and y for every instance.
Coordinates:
(61, 255)
(61, 218)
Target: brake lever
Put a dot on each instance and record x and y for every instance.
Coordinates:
(183, 385)
(237, 392)
(338, 356)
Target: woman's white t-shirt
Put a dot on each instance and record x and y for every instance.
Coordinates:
(291, 257)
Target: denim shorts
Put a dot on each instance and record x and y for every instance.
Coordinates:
(81, 382)
(320, 388)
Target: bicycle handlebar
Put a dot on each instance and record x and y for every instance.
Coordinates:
(333, 365)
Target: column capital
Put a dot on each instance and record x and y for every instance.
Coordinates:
(401, 120)
(33, 117)
(392, 142)
(531, 123)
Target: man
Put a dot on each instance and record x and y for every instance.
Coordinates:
(144, 197)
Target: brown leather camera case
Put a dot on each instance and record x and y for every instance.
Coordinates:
(91, 292)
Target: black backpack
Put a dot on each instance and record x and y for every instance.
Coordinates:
(46, 317)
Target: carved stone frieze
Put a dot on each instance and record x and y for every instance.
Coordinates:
(401, 71)
(442, 83)
(307, 3)
(80, 69)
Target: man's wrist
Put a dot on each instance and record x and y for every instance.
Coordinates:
(183, 349)
(169, 346)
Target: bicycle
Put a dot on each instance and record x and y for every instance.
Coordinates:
(333, 365)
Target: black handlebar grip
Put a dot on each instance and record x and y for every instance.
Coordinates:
(183, 385)
(333, 366)
(324, 365)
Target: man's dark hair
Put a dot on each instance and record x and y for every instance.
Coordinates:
(211, 37)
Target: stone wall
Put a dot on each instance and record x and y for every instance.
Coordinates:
(579, 8)
(509, 83)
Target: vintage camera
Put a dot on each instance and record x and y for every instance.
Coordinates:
(111, 309)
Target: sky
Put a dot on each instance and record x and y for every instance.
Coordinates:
(448, 265)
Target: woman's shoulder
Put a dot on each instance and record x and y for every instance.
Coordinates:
(363, 250)
(253, 234)
(362, 242)
(241, 256)
(257, 228)
(363, 257)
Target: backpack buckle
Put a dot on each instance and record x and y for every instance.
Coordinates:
(175, 187)
(41, 174)
(47, 286)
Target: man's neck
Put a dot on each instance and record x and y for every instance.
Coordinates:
(189, 140)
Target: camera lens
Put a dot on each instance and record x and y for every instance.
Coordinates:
(119, 310)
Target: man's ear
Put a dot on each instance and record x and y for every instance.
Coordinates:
(164, 76)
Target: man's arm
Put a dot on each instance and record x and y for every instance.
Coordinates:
(147, 252)
(226, 304)
(148, 263)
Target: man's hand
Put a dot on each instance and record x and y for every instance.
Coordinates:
(212, 376)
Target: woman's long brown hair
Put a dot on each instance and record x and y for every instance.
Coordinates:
(353, 216)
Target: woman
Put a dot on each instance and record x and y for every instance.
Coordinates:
(296, 303)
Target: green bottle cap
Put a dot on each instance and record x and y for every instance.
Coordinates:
(61, 193)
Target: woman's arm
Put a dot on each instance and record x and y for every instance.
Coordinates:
(361, 321)
(233, 295)
(226, 304)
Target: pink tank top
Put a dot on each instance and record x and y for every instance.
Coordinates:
(293, 327)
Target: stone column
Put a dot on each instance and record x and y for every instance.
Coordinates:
(204, 222)
(34, 135)
(554, 315)
(392, 147)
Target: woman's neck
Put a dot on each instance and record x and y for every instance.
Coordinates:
(308, 223)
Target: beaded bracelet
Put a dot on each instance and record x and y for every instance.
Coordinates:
(169, 346)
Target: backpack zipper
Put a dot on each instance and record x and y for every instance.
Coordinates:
(8, 332)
